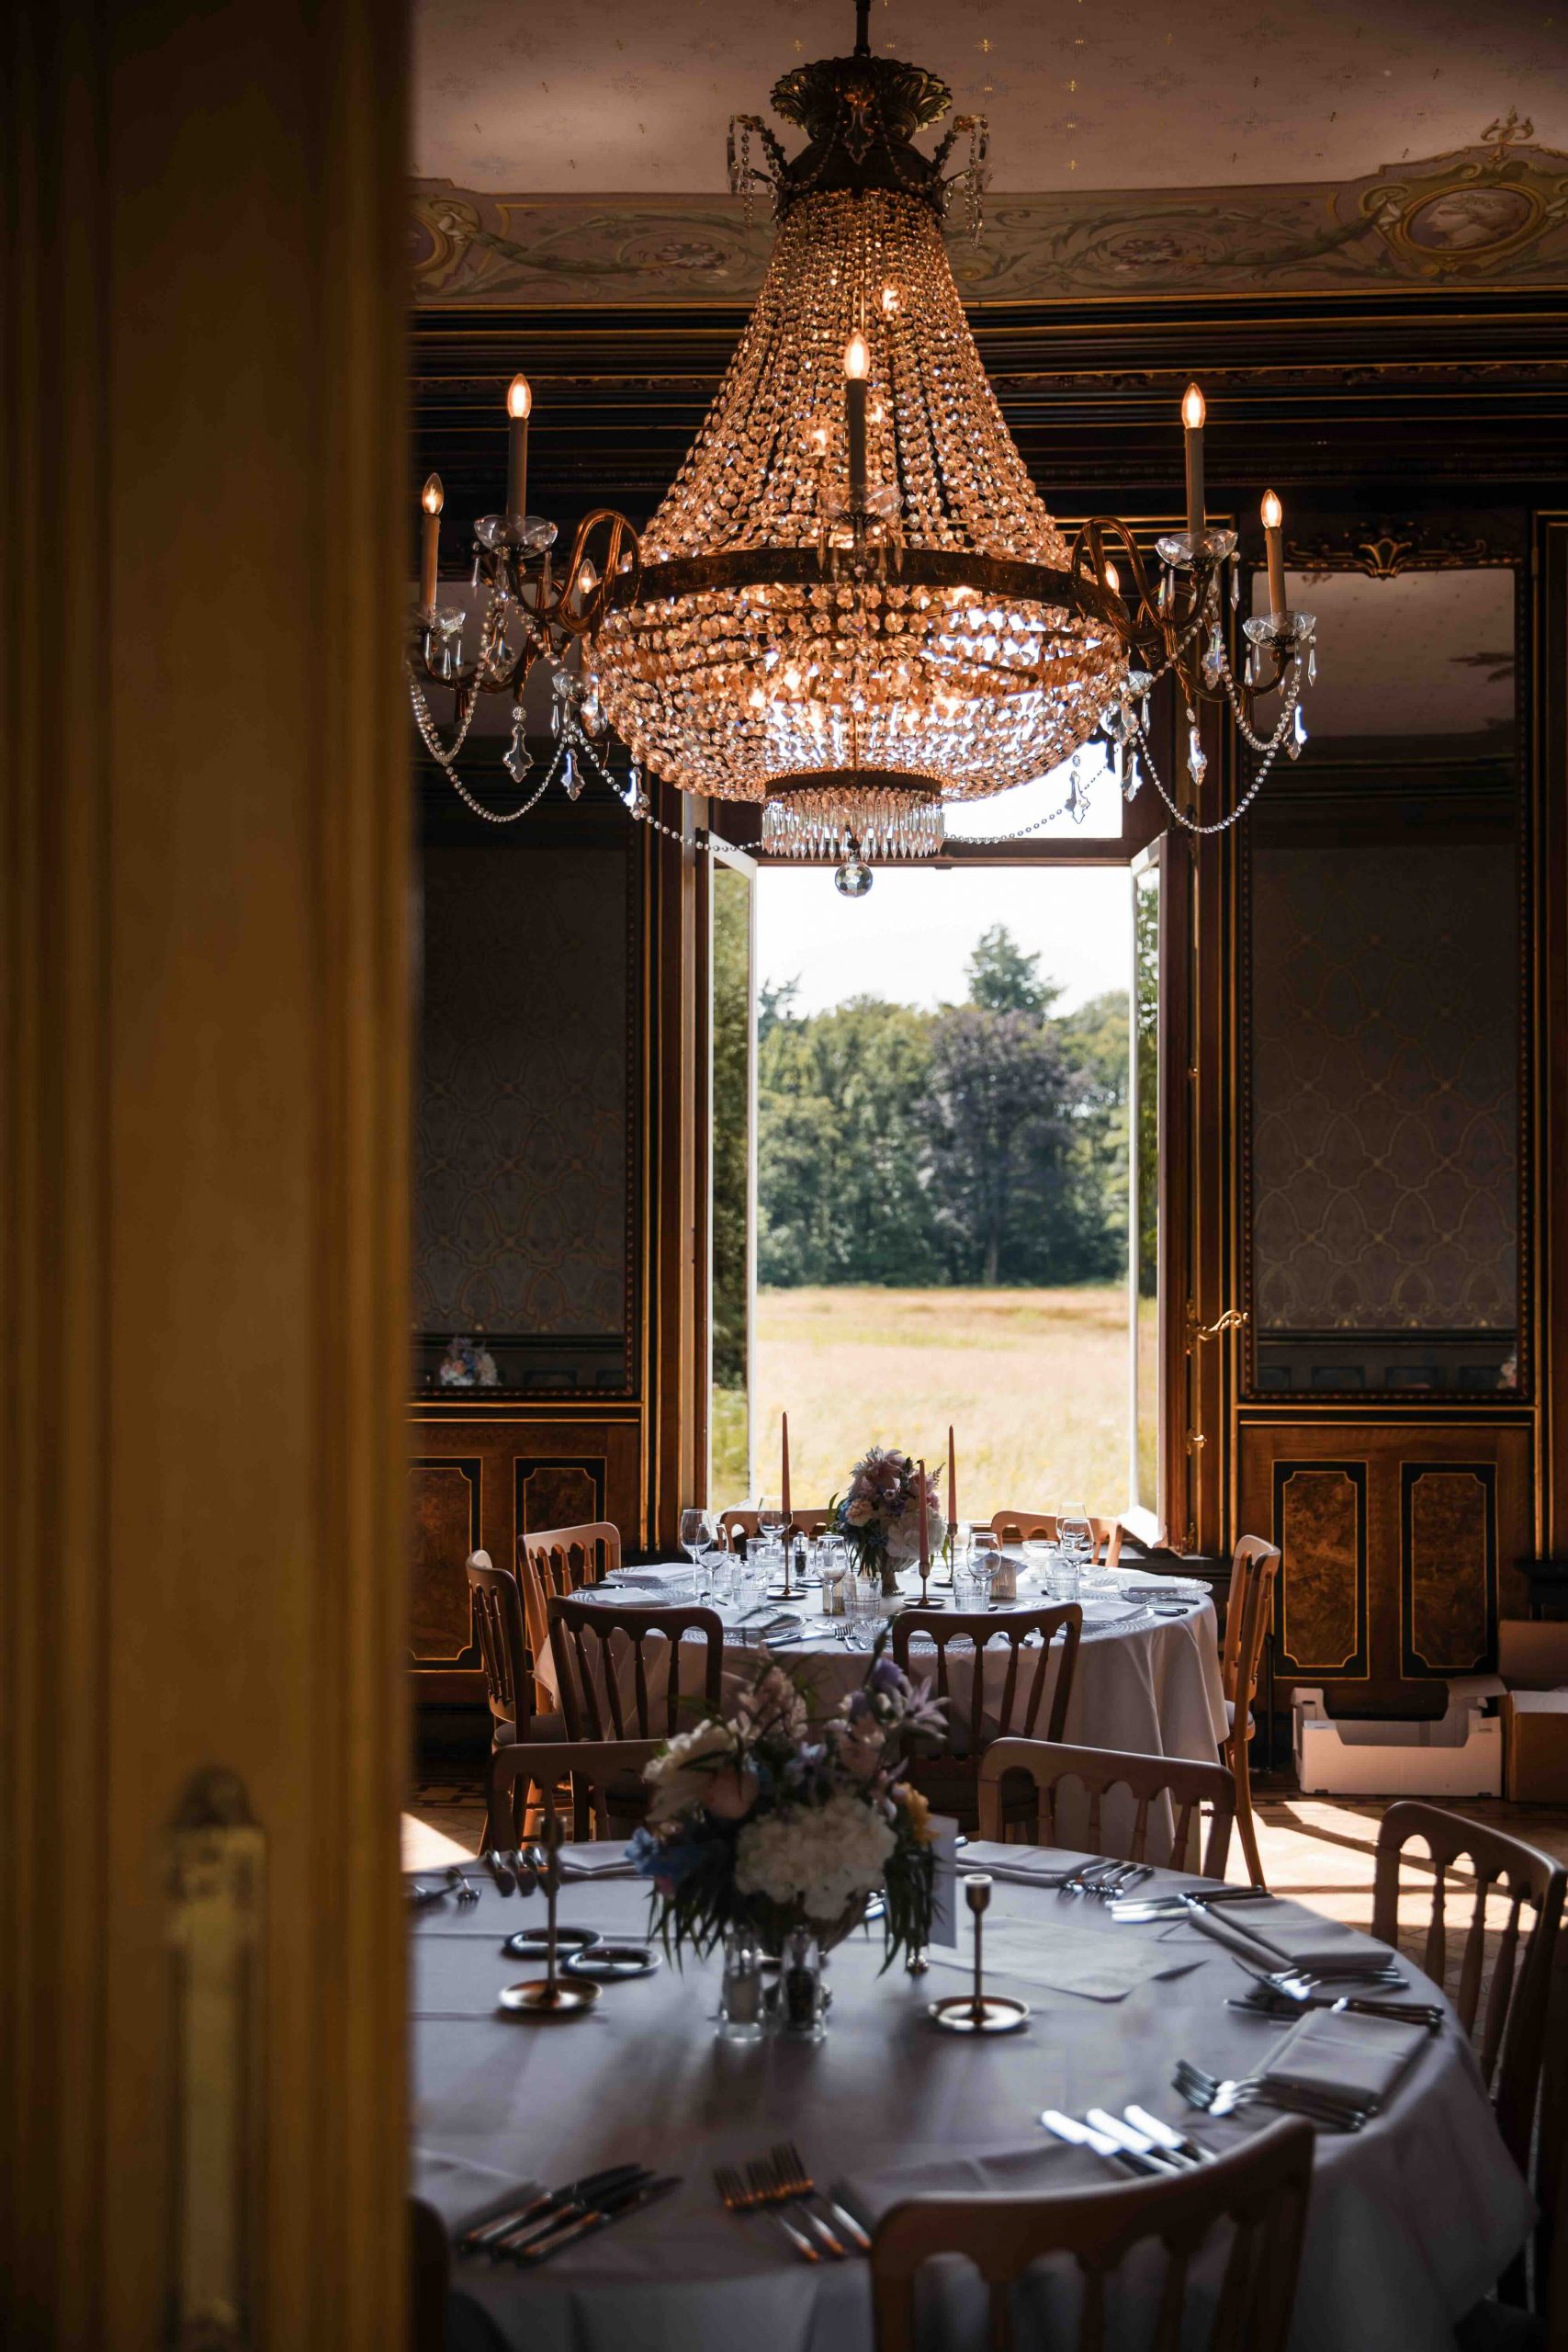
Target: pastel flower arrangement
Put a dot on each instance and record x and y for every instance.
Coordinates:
(763, 1821)
(879, 1514)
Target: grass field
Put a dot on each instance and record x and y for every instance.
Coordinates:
(1035, 1383)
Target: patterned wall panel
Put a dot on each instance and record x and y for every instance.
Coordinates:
(444, 1498)
(1448, 1567)
(555, 1493)
(524, 1164)
(1384, 1096)
(1320, 1525)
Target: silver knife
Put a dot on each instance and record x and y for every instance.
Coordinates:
(1083, 2135)
(1165, 2137)
(1136, 2142)
(614, 2209)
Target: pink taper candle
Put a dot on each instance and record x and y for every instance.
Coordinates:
(784, 1495)
(925, 1523)
(952, 1480)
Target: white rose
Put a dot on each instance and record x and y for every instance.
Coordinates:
(674, 1777)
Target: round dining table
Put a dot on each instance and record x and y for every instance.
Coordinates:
(1148, 1669)
(1411, 2219)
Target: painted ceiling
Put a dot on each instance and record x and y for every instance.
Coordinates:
(632, 97)
(578, 160)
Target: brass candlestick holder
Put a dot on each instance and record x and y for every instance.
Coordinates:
(979, 2011)
(549, 1996)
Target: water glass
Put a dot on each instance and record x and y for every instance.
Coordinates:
(864, 1606)
(972, 1587)
(802, 1995)
(1064, 1580)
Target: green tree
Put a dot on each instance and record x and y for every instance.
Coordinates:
(999, 1120)
(1002, 978)
(1096, 1040)
(842, 1176)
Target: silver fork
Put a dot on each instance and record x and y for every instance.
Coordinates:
(766, 2179)
(1216, 2098)
(1087, 1877)
(792, 2171)
(737, 2199)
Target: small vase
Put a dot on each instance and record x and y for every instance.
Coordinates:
(802, 1995)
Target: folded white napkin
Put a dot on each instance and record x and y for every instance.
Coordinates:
(1276, 1934)
(1101, 1965)
(604, 1858)
(1019, 1861)
(1359, 2057)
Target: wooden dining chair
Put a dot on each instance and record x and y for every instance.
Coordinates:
(508, 1663)
(609, 1795)
(1040, 1526)
(1097, 1770)
(558, 1562)
(806, 1519)
(1248, 1611)
(592, 1677)
(1256, 2195)
(1511, 2036)
(949, 1779)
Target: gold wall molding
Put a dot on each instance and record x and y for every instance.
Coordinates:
(203, 1133)
(1495, 213)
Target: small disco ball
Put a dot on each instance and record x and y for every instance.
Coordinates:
(853, 879)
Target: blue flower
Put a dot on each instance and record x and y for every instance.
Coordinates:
(886, 1675)
(645, 1855)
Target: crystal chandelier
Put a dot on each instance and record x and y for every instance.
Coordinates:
(852, 606)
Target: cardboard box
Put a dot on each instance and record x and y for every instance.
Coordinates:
(1533, 1656)
(1535, 1743)
(1459, 1754)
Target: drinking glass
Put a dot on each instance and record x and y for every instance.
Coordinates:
(972, 1587)
(1075, 1532)
(863, 1606)
(698, 1537)
(742, 2004)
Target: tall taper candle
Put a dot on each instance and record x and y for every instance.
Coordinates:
(1193, 411)
(925, 1523)
(857, 367)
(1274, 541)
(783, 1494)
(519, 402)
(431, 499)
(952, 1480)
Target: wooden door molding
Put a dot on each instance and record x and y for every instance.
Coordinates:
(203, 1135)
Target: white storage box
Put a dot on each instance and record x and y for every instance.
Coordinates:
(1459, 1754)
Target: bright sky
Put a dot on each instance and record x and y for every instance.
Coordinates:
(912, 935)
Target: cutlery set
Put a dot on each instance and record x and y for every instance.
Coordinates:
(1135, 2140)
(1186, 1899)
(1331, 2110)
(548, 2220)
(778, 2188)
(1284, 1995)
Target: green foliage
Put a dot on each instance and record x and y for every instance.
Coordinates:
(986, 1143)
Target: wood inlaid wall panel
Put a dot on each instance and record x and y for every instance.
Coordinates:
(1406, 1531)
(445, 1501)
(1448, 1567)
(478, 1479)
(1320, 1524)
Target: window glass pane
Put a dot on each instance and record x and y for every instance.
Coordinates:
(1144, 1221)
(730, 1303)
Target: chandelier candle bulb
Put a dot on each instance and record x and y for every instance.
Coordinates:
(1274, 542)
(519, 404)
(1193, 411)
(857, 367)
(432, 500)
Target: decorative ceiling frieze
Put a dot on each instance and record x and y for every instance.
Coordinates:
(1494, 213)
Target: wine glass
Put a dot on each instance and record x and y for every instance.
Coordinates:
(698, 1536)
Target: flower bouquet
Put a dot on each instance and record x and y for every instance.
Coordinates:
(879, 1517)
(765, 1824)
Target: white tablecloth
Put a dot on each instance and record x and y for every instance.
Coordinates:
(1147, 1684)
(1411, 2219)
